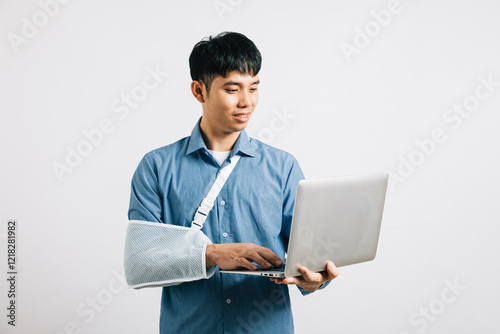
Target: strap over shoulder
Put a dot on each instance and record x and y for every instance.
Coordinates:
(208, 202)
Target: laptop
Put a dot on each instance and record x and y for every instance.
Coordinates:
(334, 219)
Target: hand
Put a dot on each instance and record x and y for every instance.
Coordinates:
(309, 280)
(233, 256)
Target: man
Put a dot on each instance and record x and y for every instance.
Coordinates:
(251, 218)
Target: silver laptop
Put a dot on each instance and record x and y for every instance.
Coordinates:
(335, 219)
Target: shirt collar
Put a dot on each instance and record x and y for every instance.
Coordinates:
(243, 143)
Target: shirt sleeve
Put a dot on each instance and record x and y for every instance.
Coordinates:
(294, 176)
(146, 206)
(307, 292)
(145, 198)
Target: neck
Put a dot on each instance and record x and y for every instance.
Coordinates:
(221, 142)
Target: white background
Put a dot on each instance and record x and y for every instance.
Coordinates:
(356, 113)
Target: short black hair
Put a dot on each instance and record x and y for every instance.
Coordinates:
(224, 53)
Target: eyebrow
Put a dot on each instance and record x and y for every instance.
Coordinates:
(231, 83)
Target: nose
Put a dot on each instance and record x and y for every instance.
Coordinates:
(244, 99)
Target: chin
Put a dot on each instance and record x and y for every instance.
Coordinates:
(239, 125)
(240, 128)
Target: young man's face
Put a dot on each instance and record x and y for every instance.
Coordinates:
(230, 103)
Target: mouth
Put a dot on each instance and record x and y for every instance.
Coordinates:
(242, 117)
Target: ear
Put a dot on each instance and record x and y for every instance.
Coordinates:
(197, 88)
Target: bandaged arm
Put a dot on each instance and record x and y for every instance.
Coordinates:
(157, 253)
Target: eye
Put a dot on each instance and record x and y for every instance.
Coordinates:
(231, 90)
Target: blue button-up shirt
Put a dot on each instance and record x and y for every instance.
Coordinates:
(255, 205)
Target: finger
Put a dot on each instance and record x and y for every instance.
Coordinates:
(247, 264)
(332, 271)
(254, 256)
(293, 280)
(260, 255)
(270, 257)
(310, 276)
(267, 254)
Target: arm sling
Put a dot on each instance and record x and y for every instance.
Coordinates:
(159, 254)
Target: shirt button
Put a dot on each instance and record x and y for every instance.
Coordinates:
(228, 301)
(222, 203)
(224, 235)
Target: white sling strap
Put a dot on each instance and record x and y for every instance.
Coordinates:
(208, 202)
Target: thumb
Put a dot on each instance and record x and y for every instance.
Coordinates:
(332, 270)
